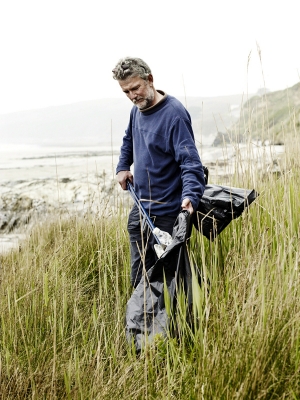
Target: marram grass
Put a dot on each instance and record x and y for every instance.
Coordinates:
(63, 299)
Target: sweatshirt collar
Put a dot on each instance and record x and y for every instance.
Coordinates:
(157, 104)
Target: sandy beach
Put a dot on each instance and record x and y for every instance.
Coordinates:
(36, 181)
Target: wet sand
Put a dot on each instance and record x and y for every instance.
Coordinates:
(38, 181)
(34, 181)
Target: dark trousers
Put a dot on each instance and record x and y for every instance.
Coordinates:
(142, 252)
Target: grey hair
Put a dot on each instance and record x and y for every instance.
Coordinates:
(131, 66)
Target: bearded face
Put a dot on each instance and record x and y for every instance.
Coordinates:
(139, 91)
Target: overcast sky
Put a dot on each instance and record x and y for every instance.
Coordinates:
(62, 51)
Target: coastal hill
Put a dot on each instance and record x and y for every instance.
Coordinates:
(267, 116)
(273, 115)
(103, 121)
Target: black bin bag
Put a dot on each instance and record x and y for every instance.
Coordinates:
(218, 206)
(146, 314)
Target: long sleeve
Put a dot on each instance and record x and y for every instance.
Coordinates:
(187, 156)
(167, 167)
(126, 151)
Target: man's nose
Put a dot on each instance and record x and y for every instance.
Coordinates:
(132, 95)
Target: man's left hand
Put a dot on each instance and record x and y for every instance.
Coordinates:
(187, 205)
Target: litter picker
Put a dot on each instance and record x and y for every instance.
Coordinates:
(162, 238)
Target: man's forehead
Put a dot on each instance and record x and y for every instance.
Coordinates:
(131, 81)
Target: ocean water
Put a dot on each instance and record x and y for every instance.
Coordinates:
(42, 172)
(26, 162)
(29, 162)
(68, 175)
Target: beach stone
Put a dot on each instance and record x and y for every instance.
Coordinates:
(13, 222)
(65, 180)
(25, 217)
(22, 203)
(3, 220)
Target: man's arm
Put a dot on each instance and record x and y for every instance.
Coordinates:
(187, 156)
(125, 159)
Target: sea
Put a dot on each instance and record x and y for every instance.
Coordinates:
(36, 166)
(19, 161)
(24, 161)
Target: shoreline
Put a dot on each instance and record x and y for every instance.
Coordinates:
(76, 184)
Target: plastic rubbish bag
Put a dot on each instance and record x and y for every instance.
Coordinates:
(146, 314)
(218, 206)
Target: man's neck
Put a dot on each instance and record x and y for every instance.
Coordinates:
(157, 98)
(160, 97)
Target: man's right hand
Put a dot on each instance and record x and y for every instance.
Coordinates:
(122, 177)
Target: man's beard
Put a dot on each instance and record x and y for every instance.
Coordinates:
(144, 102)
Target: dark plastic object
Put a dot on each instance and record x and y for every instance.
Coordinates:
(218, 206)
(146, 315)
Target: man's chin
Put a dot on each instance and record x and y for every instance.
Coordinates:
(142, 106)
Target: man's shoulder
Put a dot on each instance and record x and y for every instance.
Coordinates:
(178, 107)
(174, 100)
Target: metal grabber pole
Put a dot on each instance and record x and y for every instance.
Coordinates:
(162, 238)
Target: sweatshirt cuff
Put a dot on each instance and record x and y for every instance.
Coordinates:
(122, 168)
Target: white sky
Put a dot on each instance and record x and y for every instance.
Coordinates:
(62, 51)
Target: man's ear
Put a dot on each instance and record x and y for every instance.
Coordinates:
(150, 78)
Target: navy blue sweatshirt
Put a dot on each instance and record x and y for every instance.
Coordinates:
(159, 142)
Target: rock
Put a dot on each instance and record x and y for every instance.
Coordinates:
(3, 221)
(226, 138)
(13, 222)
(220, 139)
(22, 203)
(65, 180)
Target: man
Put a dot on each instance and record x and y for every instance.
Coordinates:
(159, 141)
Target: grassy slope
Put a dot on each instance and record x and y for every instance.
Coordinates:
(272, 115)
(63, 298)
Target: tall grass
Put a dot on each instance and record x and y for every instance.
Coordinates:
(63, 297)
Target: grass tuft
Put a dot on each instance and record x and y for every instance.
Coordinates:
(63, 299)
